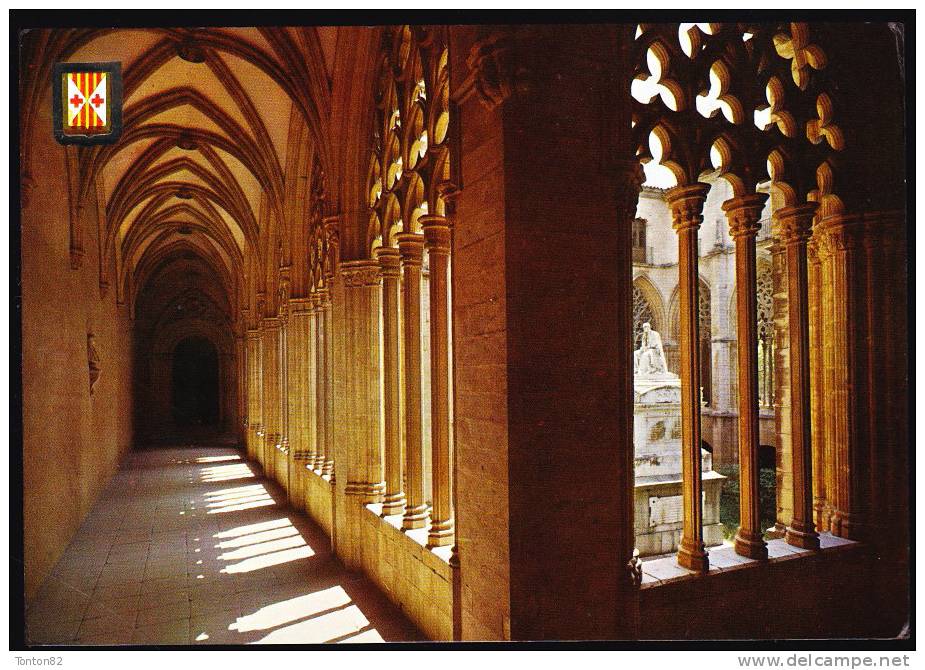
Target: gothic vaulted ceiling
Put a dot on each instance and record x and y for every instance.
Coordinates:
(215, 120)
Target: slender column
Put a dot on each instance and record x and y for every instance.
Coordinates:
(437, 237)
(254, 403)
(824, 250)
(390, 271)
(320, 392)
(686, 203)
(311, 384)
(411, 246)
(328, 396)
(817, 386)
(300, 420)
(796, 226)
(363, 381)
(743, 214)
(283, 383)
(271, 393)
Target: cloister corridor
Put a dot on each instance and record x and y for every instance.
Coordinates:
(190, 545)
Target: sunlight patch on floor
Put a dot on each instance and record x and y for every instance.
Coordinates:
(269, 560)
(294, 609)
(261, 548)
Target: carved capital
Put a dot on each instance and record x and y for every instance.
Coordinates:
(628, 178)
(360, 273)
(436, 233)
(495, 75)
(795, 224)
(686, 204)
(744, 214)
(300, 305)
(449, 191)
(389, 262)
(411, 247)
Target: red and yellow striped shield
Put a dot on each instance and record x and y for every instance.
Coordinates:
(87, 98)
(87, 102)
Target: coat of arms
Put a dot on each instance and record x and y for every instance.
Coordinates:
(87, 102)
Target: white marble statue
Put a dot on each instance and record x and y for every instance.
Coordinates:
(649, 358)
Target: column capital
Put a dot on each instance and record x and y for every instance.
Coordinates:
(389, 261)
(795, 223)
(744, 213)
(686, 204)
(628, 177)
(493, 73)
(411, 246)
(301, 305)
(360, 273)
(436, 233)
(271, 322)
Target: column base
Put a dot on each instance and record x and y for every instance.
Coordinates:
(393, 503)
(415, 517)
(847, 525)
(802, 535)
(750, 545)
(372, 493)
(441, 533)
(693, 556)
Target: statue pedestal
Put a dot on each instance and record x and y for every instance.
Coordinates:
(658, 488)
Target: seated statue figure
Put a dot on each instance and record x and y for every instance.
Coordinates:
(649, 358)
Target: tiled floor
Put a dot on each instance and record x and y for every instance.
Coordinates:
(189, 546)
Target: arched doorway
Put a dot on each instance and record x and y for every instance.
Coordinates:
(194, 390)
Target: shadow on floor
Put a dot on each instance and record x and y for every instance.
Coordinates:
(189, 545)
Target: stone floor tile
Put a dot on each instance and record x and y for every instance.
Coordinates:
(151, 565)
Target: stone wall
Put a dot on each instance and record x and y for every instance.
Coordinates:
(72, 440)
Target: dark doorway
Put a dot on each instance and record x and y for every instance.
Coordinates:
(194, 391)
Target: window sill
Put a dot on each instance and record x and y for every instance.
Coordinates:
(664, 571)
(318, 474)
(416, 535)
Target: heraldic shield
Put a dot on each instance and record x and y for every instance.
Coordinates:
(87, 102)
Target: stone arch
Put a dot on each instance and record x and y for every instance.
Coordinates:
(644, 290)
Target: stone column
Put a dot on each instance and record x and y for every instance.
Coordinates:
(390, 271)
(686, 204)
(254, 401)
(240, 396)
(796, 226)
(828, 434)
(437, 237)
(311, 383)
(327, 325)
(320, 391)
(817, 386)
(283, 358)
(782, 401)
(300, 421)
(411, 247)
(743, 214)
(363, 410)
(270, 394)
